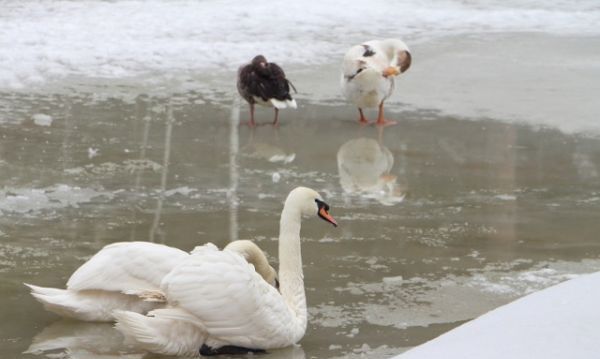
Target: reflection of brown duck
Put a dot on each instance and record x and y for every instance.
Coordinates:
(265, 149)
(269, 152)
(364, 167)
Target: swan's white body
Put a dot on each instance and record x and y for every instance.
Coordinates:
(368, 71)
(127, 276)
(217, 299)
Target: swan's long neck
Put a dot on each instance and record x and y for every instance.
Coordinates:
(255, 256)
(291, 276)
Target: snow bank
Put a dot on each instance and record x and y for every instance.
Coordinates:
(47, 40)
(562, 321)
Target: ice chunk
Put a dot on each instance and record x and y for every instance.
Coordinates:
(41, 119)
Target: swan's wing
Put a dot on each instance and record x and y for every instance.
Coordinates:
(233, 302)
(128, 267)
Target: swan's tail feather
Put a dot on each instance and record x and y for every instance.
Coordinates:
(91, 306)
(59, 301)
(168, 331)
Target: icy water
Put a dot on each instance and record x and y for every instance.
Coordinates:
(486, 190)
(441, 219)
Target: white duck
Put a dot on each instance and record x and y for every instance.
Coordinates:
(220, 305)
(127, 276)
(368, 74)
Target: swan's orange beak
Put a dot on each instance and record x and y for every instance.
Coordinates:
(326, 216)
(390, 71)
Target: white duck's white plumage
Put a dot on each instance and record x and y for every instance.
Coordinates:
(217, 299)
(127, 276)
(368, 72)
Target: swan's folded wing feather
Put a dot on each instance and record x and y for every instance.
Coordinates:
(128, 267)
(235, 304)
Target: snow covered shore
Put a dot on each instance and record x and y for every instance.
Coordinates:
(558, 322)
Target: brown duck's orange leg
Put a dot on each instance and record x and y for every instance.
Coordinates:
(381, 121)
(362, 120)
(276, 120)
(252, 123)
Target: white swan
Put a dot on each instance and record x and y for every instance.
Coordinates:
(368, 74)
(218, 304)
(127, 276)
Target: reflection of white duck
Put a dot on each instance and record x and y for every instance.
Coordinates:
(127, 276)
(368, 73)
(220, 305)
(364, 166)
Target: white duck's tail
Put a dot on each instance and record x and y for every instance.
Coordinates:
(90, 305)
(168, 331)
(278, 104)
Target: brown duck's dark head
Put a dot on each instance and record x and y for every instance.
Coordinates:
(260, 62)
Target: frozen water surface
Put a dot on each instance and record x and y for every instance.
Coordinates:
(487, 190)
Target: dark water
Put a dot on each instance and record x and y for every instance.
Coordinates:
(441, 219)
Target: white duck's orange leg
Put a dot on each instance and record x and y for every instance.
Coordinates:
(362, 120)
(381, 121)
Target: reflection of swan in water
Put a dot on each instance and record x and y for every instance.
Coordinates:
(127, 276)
(79, 340)
(364, 167)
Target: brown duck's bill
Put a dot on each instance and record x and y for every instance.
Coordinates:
(326, 216)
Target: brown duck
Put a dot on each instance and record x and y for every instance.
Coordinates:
(264, 83)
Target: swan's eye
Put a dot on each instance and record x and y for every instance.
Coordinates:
(322, 204)
(359, 71)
